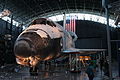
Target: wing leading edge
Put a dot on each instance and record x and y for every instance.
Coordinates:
(82, 51)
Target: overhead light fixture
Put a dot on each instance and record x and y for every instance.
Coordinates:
(4, 13)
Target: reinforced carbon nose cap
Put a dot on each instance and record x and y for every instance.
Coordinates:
(22, 48)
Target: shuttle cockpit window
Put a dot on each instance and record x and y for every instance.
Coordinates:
(43, 21)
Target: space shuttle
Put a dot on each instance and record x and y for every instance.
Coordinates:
(44, 40)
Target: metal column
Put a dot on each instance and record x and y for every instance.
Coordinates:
(64, 39)
(108, 43)
(70, 61)
(118, 55)
(105, 5)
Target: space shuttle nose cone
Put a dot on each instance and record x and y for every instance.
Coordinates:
(23, 48)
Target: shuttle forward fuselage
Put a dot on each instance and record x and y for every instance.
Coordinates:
(42, 40)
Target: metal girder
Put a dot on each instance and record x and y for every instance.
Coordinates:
(25, 10)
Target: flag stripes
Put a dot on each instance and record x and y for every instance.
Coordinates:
(70, 23)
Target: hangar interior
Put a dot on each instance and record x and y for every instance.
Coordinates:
(16, 15)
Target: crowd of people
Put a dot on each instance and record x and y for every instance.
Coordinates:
(89, 72)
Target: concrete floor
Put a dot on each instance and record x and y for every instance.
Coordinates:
(53, 73)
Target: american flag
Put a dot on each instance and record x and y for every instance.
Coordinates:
(70, 23)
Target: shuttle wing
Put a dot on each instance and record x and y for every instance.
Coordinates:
(82, 51)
